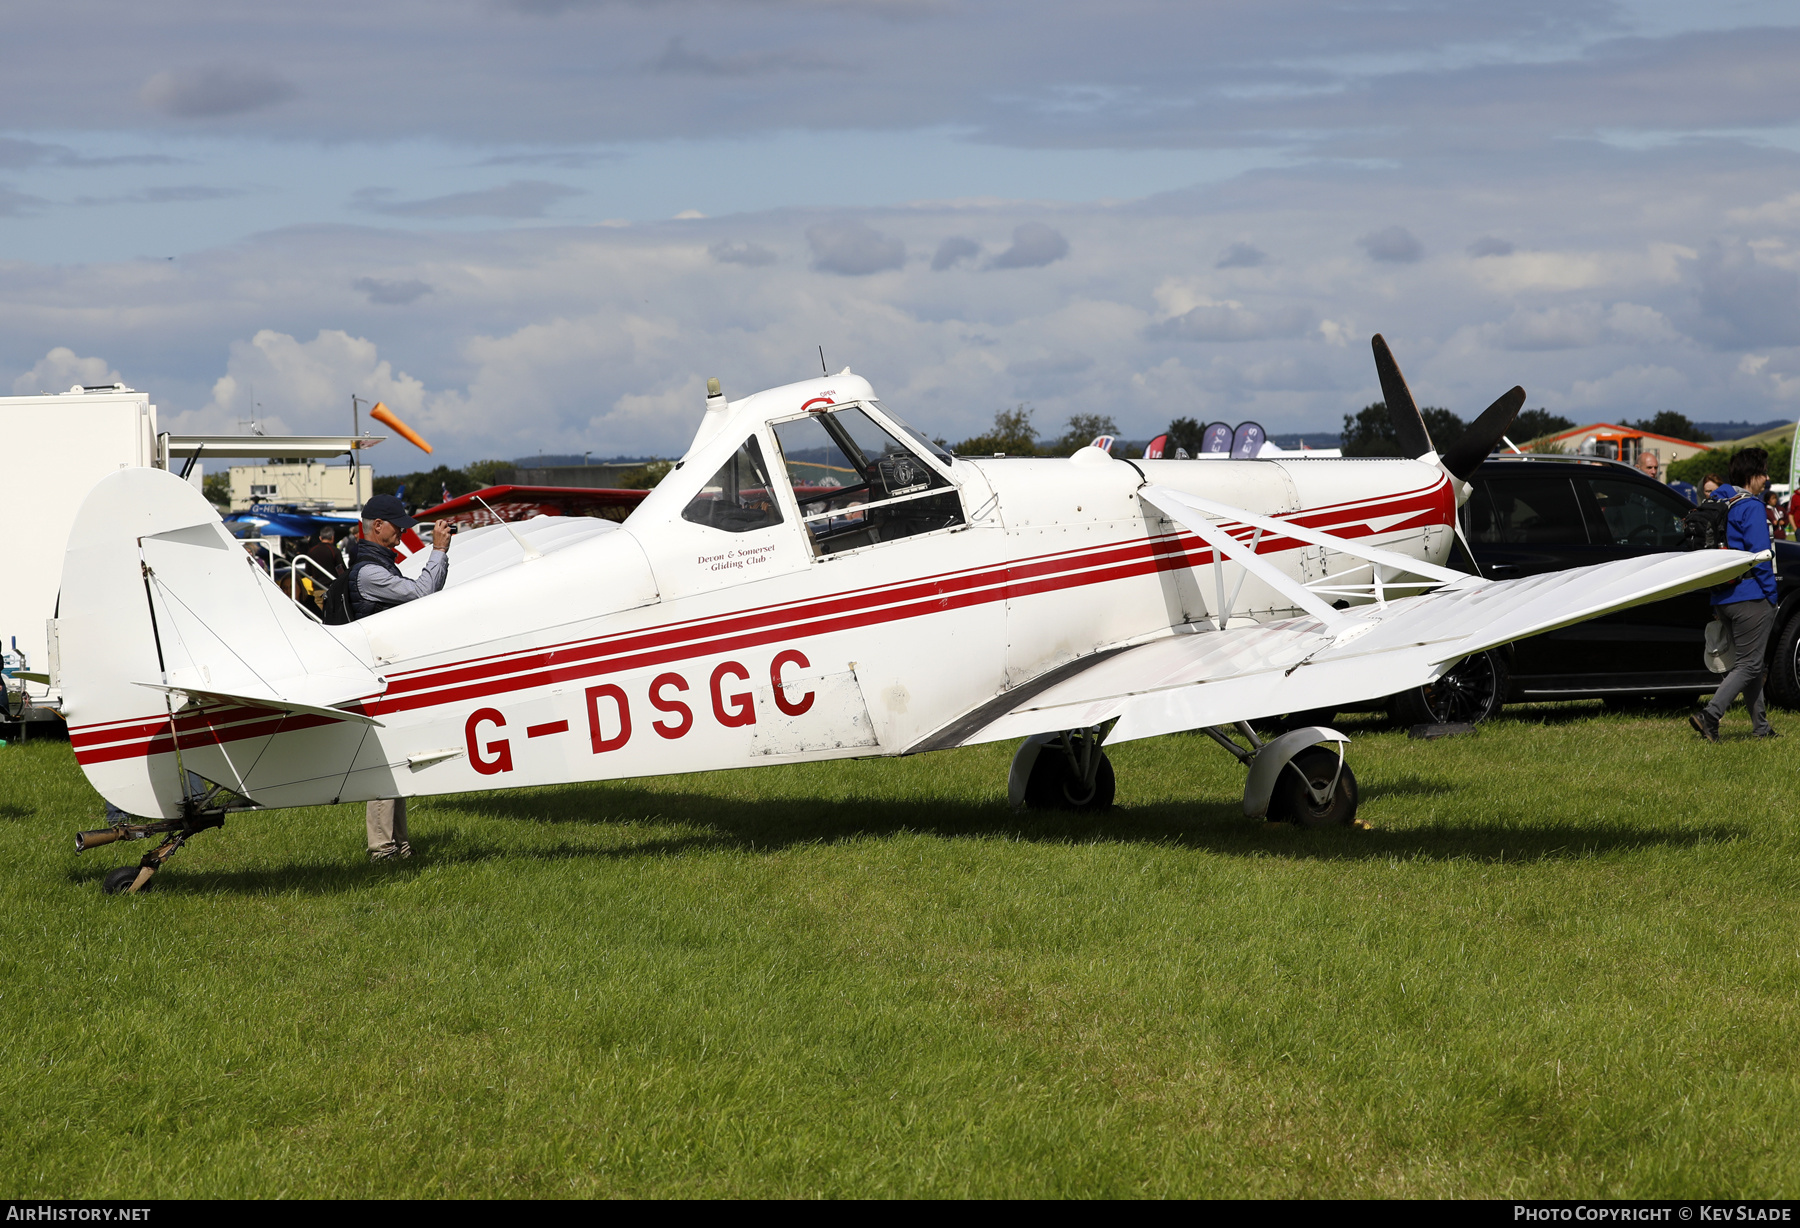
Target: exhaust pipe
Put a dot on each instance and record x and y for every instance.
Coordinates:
(85, 840)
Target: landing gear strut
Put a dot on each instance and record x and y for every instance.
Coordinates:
(175, 832)
(1062, 771)
(1293, 779)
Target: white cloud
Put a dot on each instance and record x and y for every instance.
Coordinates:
(1229, 321)
(1638, 390)
(1578, 325)
(1782, 212)
(304, 387)
(61, 369)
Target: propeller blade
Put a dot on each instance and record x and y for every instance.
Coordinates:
(1462, 456)
(1403, 411)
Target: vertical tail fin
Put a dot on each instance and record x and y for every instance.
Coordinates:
(169, 635)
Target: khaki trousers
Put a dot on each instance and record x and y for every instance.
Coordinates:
(387, 823)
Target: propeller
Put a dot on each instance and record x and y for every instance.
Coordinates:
(1403, 411)
(1461, 457)
(1466, 453)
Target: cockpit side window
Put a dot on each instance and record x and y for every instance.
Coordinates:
(857, 484)
(740, 497)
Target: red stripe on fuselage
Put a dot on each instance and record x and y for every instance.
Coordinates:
(482, 677)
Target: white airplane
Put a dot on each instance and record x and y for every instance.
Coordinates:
(814, 580)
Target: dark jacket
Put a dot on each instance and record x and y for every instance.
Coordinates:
(1746, 528)
(376, 583)
(368, 554)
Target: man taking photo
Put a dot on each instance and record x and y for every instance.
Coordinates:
(375, 585)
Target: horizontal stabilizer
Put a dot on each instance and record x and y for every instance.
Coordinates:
(262, 701)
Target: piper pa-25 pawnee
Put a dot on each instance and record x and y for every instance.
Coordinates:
(814, 580)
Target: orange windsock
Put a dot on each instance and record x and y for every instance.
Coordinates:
(381, 413)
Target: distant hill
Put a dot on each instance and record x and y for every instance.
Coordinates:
(549, 461)
(1740, 430)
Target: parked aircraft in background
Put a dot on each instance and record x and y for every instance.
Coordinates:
(813, 580)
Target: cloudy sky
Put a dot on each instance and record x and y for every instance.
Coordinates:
(542, 224)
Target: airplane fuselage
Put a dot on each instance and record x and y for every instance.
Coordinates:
(672, 646)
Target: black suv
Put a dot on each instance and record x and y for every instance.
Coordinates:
(1532, 514)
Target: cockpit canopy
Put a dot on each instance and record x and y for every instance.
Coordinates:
(859, 475)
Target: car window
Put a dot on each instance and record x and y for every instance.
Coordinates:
(1526, 511)
(1631, 514)
(857, 484)
(739, 497)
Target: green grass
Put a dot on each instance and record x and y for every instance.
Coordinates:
(1566, 962)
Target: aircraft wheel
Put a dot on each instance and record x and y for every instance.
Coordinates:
(1292, 801)
(1470, 692)
(116, 881)
(1055, 785)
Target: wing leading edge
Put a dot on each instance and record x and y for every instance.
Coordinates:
(1210, 677)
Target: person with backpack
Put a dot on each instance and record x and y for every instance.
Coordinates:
(1747, 605)
(371, 583)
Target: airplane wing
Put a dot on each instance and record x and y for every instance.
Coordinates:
(1321, 659)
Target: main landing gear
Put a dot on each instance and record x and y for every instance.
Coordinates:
(1293, 779)
(1062, 771)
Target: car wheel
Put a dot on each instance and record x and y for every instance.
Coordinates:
(1784, 664)
(1470, 692)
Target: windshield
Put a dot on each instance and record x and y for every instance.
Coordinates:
(914, 434)
(857, 484)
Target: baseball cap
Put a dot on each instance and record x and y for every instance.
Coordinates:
(390, 509)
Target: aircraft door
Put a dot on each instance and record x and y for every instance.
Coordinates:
(733, 530)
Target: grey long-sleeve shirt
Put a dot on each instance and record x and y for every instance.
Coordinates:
(380, 589)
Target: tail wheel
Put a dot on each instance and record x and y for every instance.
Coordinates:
(1471, 691)
(1784, 664)
(1314, 773)
(119, 880)
(1055, 784)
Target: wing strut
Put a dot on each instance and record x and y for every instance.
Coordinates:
(1192, 512)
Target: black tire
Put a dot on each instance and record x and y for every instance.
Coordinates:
(1784, 664)
(1292, 802)
(1054, 784)
(116, 881)
(1471, 691)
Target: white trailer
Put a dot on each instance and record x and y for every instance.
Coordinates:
(56, 447)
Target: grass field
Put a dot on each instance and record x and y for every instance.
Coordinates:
(1565, 962)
